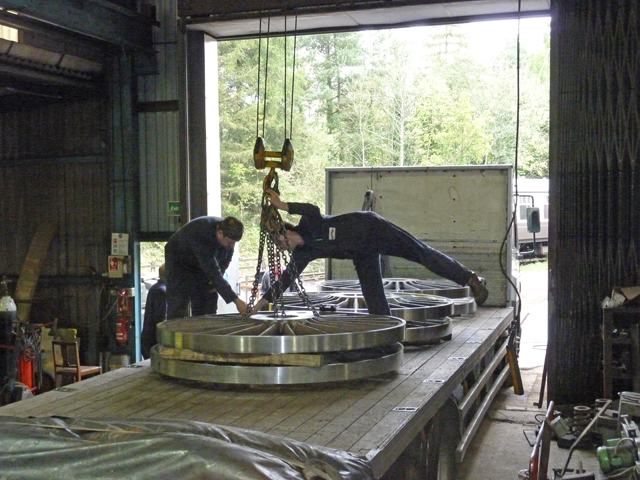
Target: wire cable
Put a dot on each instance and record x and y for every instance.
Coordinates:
(266, 73)
(293, 76)
(259, 68)
(285, 73)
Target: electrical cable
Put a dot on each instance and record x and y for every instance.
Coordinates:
(512, 223)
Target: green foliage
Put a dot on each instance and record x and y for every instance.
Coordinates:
(152, 255)
(380, 98)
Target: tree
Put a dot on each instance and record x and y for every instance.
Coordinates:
(244, 115)
(376, 99)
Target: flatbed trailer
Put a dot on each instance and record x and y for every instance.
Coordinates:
(425, 412)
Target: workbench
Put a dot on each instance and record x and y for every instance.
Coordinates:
(376, 417)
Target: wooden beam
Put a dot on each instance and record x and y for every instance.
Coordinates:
(303, 360)
(31, 268)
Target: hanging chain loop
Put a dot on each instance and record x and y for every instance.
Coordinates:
(273, 227)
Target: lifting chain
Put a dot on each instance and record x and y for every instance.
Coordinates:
(271, 227)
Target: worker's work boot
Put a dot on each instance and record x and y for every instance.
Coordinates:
(478, 289)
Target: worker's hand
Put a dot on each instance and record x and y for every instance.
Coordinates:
(240, 305)
(274, 198)
(260, 304)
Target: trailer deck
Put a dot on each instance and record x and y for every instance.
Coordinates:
(377, 417)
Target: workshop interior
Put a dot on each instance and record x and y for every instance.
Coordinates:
(109, 140)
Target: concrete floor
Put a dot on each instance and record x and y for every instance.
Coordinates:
(501, 449)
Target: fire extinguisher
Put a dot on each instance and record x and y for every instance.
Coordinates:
(124, 312)
(122, 330)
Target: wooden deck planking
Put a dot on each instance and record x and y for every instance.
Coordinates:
(289, 418)
(311, 424)
(273, 401)
(54, 402)
(410, 391)
(210, 406)
(427, 397)
(165, 408)
(118, 400)
(355, 416)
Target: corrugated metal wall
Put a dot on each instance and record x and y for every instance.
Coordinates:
(160, 110)
(94, 167)
(53, 168)
(594, 182)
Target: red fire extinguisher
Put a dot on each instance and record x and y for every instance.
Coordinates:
(124, 312)
(122, 330)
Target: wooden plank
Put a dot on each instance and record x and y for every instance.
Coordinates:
(296, 359)
(31, 268)
(432, 360)
(303, 409)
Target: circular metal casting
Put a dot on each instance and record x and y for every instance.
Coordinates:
(427, 331)
(350, 302)
(464, 306)
(420, 306)
(426, 315)
(287, 332)
(444, 288)
(362, 364)
(407, 306)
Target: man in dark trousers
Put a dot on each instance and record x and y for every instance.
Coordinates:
(196, 256)
(155, 311)
(362, 237)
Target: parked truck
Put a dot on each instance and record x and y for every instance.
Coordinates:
(414, 422)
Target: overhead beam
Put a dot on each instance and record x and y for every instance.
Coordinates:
(97, 19)
(213, 10)
(257, 8)
(248, 18)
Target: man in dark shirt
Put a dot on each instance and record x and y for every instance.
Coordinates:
(362, 237)
(155, 311)
(196, 256)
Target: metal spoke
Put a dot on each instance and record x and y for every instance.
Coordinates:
(427, 316)
(445, 288)
(291, 332)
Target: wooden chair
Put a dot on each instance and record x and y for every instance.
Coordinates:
(66, 362)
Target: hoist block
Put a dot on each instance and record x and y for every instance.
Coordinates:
(261, 154)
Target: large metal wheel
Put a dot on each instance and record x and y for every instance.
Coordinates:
(426, 315)
(444, 288)
(342, 367)
(408, 306)
(464, 306)
(285, 332)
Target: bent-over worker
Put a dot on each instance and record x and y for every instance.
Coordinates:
(362, 237)
(196, 257)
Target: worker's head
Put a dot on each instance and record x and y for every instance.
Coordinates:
(290, 239)
(161, 271)
(229, 231)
